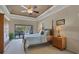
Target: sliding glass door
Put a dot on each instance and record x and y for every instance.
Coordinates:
(21, 30)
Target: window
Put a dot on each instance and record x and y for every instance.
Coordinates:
(21, 30)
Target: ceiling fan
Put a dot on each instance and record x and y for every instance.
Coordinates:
(30, 9)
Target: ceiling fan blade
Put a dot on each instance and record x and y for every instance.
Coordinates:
(24, 7)
(36, 11)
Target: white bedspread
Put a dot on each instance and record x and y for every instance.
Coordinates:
(32, 35)
(34, 39)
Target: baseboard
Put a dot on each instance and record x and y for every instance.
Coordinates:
(71, 51)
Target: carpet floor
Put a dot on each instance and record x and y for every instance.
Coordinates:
(16, 47)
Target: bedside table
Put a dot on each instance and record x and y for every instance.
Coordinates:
(59, 42)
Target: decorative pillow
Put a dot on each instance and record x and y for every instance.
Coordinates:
(42, 32)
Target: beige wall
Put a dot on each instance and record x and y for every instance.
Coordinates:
(47, 22)
(24, 22)
(71, 27)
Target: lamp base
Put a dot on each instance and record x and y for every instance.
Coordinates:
(58, 35)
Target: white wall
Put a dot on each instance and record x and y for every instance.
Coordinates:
(6, 32)
(71, 28)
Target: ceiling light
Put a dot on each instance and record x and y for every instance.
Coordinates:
(30, 11)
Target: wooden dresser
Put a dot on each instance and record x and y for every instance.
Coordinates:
(59, 42)
(1, 33)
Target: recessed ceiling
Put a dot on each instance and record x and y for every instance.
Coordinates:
(17, 10)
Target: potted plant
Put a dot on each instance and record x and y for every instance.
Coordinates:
(11, 36)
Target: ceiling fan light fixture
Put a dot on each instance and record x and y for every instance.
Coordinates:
(30, 11)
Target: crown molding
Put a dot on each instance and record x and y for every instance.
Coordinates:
(15, 17)
(18, 17)
(7, 18)
(51, 11)
(6, 11)
(3, 12)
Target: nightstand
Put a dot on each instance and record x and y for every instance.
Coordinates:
(59, 42)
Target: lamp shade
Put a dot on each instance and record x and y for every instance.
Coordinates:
(58, 28)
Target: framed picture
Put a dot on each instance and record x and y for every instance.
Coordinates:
(60, 22)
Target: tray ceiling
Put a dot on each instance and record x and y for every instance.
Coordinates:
(17, 10)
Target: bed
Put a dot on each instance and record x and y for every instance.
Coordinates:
(37, 38)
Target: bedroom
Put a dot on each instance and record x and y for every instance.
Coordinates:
(45, 20)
